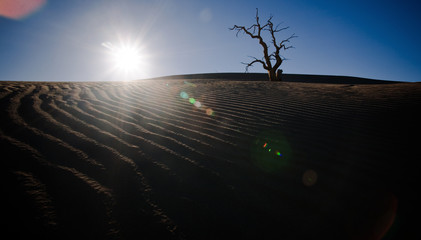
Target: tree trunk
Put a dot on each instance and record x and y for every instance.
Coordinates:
(272, 75)
(279, 75)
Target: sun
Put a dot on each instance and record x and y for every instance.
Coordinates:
(127, 59)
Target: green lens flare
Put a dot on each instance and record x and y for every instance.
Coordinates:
(271, 151)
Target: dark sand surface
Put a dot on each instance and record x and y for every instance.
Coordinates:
(253, 160)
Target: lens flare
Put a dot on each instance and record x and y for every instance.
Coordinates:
(209, 112)
(197, 104)
(271, 151)
(309, 178)
(19, 9)
(190, 84)
(184, 95)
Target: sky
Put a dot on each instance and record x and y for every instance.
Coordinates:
(77, 40)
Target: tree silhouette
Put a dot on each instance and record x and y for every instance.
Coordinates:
(271, 62)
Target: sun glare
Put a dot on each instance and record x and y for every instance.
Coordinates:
(127, 59)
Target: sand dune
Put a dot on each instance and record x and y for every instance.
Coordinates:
(196, 159)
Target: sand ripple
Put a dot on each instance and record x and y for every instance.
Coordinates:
(176, 159)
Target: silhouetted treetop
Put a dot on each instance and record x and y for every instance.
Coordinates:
(270, 62)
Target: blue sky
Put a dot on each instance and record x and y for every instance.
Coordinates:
(65, 40)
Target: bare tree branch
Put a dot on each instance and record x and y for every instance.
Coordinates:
(282, 45)
(255, 60)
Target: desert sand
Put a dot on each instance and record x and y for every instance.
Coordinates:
(186, 158)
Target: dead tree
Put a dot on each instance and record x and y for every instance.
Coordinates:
(271, 62)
